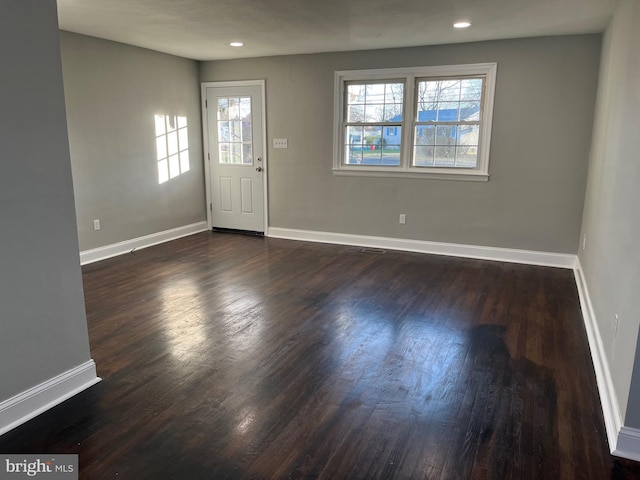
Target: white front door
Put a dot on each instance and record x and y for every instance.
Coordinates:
(234, 151)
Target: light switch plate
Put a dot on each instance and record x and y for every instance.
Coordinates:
(280, 143)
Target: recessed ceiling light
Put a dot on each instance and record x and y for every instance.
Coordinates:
(461, 25)
(236, 44)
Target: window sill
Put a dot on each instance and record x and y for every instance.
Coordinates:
(462, 177)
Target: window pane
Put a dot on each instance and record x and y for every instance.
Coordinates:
(355, 94)
(394, 93)
(236, 153)
(466, 157)
(223, 131)
(247, 154)
(223, 109)
(449, 91)
(372, 155)
(235, 131)
(353, 154)
(445, 156)
(425, 135)
(392, 136)
(373, 113)
(245, 108)
(355, 113)
(423, 156)
(390, 155)
(470, 111)
(355, 135)
(392, 112)
(448, 111)
(223, 153)
(471, 89)
(428, 94)
(234, 109)
(446, 135)
(372, 135)
(246, 131)
(427, 112)
(375, 93)
(468, 134)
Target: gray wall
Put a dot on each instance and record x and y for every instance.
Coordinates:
(112, 93)
(543, 119)
(42, 318)
(611, 260)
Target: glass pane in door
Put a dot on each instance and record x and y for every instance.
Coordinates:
(235, 145)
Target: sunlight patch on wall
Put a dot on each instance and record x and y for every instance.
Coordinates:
(172, 146)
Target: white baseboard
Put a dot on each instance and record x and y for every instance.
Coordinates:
(608, 398)
(628, 444)
(115, 249)
(26, 405)
(529, 257)
(623, 441)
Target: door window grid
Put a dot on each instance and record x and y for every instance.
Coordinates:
(234, 129)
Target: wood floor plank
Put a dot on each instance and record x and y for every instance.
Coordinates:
(239, 357)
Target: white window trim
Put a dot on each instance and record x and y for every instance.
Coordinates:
(406, 170)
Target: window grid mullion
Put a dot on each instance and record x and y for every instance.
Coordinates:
(407, 133)
(377, 124)
(475, 122)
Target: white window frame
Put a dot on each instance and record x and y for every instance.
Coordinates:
(410, 76)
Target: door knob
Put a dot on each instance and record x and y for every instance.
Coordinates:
(258, 169)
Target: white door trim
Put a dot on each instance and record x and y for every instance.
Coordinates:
(207, 153)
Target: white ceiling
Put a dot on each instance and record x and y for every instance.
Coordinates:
(202, 29)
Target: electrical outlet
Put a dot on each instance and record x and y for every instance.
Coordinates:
(584, 241)
(280, 143)
(615, 324)
(403, 219)
(96, 224)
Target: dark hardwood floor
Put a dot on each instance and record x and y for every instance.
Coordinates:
(228, 356)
